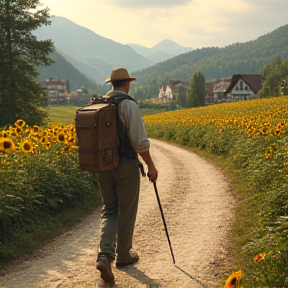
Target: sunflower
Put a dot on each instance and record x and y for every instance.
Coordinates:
(5, 134)
(281, 124)
(61, 137)
(234, 280)
(36, 129)
(71, 140)
(20, 123)
(264, 130)
(277, 131)
(6, 144)
(43, 140)
(18, 131)
(4, 163)
(268, 153)
(66, 150)
(260, 257)
(48, 145)
(26, 146)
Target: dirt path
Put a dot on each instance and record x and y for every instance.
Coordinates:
(198, 206)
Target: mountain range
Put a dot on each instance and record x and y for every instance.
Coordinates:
(89, 58)
(217, 63)
(95, 56)
(162, 51)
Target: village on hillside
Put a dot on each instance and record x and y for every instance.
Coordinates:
(239, 87)
(58, 93)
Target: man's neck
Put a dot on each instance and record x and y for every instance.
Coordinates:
(119, 90)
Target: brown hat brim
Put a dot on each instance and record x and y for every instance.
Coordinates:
(118, 79)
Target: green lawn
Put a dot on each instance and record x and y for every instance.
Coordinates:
(62, 114)
(66, 114)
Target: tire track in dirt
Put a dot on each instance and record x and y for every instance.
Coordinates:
(198, 209)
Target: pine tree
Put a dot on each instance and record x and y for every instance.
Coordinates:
(181, 98)
(196, 91)
(20, 56)
(191, 92)
(201, 90)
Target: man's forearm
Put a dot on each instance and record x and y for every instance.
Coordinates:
(147, 158)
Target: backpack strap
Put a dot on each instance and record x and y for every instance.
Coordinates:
(116, 98)
(125, 147)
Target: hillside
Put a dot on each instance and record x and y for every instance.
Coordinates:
(65, 70)
(216, 63)
(98, 56)
(94, 55)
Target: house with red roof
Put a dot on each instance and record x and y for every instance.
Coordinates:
(244, 87)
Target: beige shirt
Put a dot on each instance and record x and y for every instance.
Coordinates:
(132, 121)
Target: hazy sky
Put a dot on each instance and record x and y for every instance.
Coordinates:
(190, 23)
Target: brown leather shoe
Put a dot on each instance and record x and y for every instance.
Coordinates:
(104, 266)
(131, 258)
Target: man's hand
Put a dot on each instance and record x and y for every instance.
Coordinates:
(152, 174)
(152, 171)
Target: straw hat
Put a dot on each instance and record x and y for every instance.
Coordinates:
(119, 74)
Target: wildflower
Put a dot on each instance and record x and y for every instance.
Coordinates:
(234, 280)
(258, 258)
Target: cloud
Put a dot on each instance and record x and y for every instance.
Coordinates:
(147, 3)
(259, 18)
(190, 23)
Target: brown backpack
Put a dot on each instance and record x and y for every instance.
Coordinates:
(97, 134)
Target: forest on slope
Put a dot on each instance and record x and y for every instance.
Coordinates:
(214, 62)
(63, 69)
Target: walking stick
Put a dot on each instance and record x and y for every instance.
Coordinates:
(164, 222)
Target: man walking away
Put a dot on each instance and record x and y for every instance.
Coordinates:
(120, 186)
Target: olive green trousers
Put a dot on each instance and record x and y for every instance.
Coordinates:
(120, 193)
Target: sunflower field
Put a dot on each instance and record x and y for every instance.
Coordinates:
(251, 137)
(40, 179)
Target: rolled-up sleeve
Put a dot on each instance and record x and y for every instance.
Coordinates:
(131, 119)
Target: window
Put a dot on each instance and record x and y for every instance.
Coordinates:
(241, 86)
